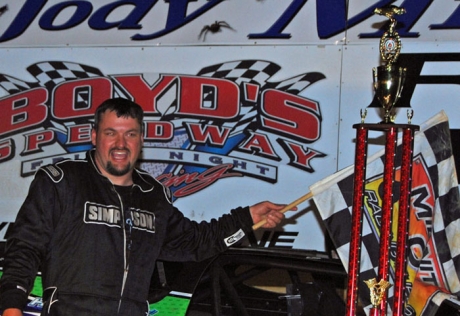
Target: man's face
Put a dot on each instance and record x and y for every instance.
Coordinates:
(118, 143)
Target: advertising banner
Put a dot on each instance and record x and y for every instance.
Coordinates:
(233, 128)
(218, 22)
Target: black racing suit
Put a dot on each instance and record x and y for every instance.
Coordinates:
(72, 226)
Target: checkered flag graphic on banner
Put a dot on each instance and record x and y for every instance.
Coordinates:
(296, 84)
(434, 266)
(13, 85)
(251, 71)
(48, 74)
(51, 73)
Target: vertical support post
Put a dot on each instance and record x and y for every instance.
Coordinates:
(356, 220)
(403, 221)
(387, 208)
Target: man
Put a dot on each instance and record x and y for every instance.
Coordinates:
(96, 227)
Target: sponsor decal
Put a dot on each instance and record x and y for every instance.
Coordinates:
(102, 214)
(110, 215)
(143, 220)
(234, 238)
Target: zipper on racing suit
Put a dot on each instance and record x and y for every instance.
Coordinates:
(127, 230)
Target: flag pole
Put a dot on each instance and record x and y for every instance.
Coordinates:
(303, 198)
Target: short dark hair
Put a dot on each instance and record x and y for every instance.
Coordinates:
(122, 107)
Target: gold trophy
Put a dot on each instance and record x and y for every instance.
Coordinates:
(389, 79)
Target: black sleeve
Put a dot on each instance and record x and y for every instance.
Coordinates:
(188, 240)
(27, 242)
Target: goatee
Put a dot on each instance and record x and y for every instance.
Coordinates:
(117, 172)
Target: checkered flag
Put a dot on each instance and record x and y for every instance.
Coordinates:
(434, 257)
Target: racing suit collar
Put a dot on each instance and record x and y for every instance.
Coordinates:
(141, 179)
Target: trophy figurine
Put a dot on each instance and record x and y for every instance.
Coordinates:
(377, 290)
(389, 79)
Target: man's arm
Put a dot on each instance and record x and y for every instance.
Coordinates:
(26, 243)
